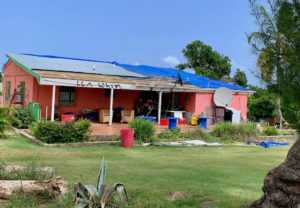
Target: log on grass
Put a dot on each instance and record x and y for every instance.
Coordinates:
(55, 187)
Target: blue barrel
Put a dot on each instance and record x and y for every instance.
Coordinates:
(202, 122)
(172, 122)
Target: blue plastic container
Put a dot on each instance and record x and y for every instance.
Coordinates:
(150, 118)
(202, 122)
(172, 122)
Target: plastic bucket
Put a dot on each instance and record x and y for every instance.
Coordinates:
(164, 122)
(127, 137)
(172, 122)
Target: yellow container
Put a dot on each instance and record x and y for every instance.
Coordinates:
(194, 120)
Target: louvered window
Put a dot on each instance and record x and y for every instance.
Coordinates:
(66, 96)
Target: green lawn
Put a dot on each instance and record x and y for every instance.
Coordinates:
(225, 176)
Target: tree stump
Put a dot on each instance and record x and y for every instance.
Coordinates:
(282, 184)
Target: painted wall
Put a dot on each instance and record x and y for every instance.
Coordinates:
(91, 98)
(15, 75)
(198, 102)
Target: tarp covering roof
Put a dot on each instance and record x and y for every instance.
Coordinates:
(56, 63)
(190, 78)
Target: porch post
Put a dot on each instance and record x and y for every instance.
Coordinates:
(159, 107)
(111, 106)
(53, 102)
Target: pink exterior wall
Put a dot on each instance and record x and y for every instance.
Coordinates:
(91, 98)
(15, 75)
(197, 102)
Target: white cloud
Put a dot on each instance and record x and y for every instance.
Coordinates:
(136, 63)
(171, 60)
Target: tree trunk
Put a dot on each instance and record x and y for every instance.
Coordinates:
(55, 187)
(282, 184)
(278, 108)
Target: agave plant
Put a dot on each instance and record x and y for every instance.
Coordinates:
(98, 196)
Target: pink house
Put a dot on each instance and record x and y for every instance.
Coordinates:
(62, 85)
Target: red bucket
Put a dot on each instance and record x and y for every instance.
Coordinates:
(164, 122)
(127, 136)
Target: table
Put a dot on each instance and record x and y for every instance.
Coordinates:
(177, 114)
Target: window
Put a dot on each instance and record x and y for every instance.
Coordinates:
(66, 95)
(7, 90)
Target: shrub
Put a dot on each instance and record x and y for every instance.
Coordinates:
(143, 129)
(54, 132)
(195, 134)
(173, 134)
(229, 131)
(24, 118)
(270, 131)
(5, 120)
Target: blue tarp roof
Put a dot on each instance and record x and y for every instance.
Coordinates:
(190, 78)
(136, 70)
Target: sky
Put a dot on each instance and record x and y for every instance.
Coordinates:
(132, 31)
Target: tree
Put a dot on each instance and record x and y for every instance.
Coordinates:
(261, 104)
(240, 78)
(279, 60)
(276, 44)
(205, 61)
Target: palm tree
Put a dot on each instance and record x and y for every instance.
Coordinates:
(268, 43)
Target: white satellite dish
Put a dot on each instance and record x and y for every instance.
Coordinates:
(223, 97)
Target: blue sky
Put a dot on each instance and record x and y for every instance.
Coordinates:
(133, 31)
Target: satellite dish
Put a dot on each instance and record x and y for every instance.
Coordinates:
(223, 97)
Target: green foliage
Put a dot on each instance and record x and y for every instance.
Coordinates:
(240, 78)
(261, 104)
(277, 43)
(5, 120)
(234, 132)
(54, 132)
(30, 172)
(196, 133)
(24, 118)
(99, 195)
(173, 134)
(270, 131)
(143, 129)
(205, 60)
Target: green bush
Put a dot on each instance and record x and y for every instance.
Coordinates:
(173, 134)
(229, 131)
(23, 116)
(55, 132)
(143, 129)
(270, 131)
(196, 133)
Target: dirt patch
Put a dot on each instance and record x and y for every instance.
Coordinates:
(176, 195)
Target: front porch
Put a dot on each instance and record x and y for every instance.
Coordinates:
(114, 128)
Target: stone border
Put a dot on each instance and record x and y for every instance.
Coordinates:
(286, 138)
(76, 144)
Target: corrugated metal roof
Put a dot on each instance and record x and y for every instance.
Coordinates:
(54, 63)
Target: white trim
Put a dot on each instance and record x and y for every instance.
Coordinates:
(111, 106)
(159, 107)
(108, 85)
(53, 102)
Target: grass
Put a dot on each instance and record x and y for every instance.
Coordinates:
(225, 176)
